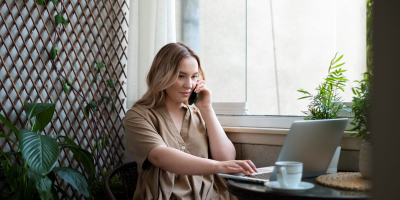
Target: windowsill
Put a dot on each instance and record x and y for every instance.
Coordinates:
(276, 137)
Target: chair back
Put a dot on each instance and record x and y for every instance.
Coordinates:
(129, 175)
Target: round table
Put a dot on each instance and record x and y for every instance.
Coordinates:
(247, 190)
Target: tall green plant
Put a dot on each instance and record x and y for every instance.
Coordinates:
(361, 107)
(327, 103)
(31, 170)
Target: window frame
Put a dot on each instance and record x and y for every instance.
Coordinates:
(245, 119)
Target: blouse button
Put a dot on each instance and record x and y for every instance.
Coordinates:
(183, 147)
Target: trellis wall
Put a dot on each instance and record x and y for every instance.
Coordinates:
(96, 32)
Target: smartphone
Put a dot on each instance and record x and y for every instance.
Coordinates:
(193, 97)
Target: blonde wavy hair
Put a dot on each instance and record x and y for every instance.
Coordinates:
(164, 72)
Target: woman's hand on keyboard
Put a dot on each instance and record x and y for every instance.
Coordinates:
(246, 167)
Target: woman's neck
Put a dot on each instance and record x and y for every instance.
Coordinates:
(172, 106)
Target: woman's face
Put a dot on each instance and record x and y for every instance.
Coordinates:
(180, 91)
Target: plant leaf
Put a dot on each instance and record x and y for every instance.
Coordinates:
(103, 141)
(100, 65)
(336, 66)
(4, 161)
(53, 52)
(43, 118)
(110, 83)
(54, 1)
(81, 155)
(86, 110)
(43, 183)
(64, 21)
(107, 98)
(337, 60)
(95, 78)
(9, 124)
(305, 97)
(98, 146)
(33, 109)
(75, 179)
(107, 143)
(65, 87)
(85, 157)
(69, 83)
(59, 19)
(54, 193)
(92, 105)
(43, 113)
(113, 106)
(43, 186)
(67, 140)
(3, 135)
(39, 2)
(40, 152)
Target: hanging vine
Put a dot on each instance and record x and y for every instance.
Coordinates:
(92, 106)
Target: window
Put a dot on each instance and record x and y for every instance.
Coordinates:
(262, 51)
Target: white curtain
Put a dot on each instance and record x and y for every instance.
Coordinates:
(151, 26)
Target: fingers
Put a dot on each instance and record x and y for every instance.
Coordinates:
(252, 165)
(247, 167)
(201, 84)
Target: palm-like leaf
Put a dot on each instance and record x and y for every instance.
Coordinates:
(326, 103)
(39, 151)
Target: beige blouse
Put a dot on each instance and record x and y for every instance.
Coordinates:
(148, 128)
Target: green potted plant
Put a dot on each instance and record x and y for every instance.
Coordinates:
(361, 122)
(31, 171)
(327, 103)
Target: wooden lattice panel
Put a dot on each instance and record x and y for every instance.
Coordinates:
(96, 32)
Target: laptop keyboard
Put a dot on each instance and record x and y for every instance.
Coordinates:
(264, 176)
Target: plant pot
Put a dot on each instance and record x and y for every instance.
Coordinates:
(365, 163)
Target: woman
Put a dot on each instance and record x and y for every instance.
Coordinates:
(179, 149)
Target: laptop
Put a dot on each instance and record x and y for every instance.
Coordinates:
(312, 142)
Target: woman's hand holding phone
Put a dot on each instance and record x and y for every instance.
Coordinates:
(204, 99)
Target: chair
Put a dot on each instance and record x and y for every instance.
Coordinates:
(129, 175)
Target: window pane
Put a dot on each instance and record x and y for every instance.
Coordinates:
(289, 46)
(222, 48)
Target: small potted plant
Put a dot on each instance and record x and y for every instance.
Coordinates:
(327, 103)
(361, 122)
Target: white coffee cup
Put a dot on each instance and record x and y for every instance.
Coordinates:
(289, 173)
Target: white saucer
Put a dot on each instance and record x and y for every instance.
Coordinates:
(302, 186)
